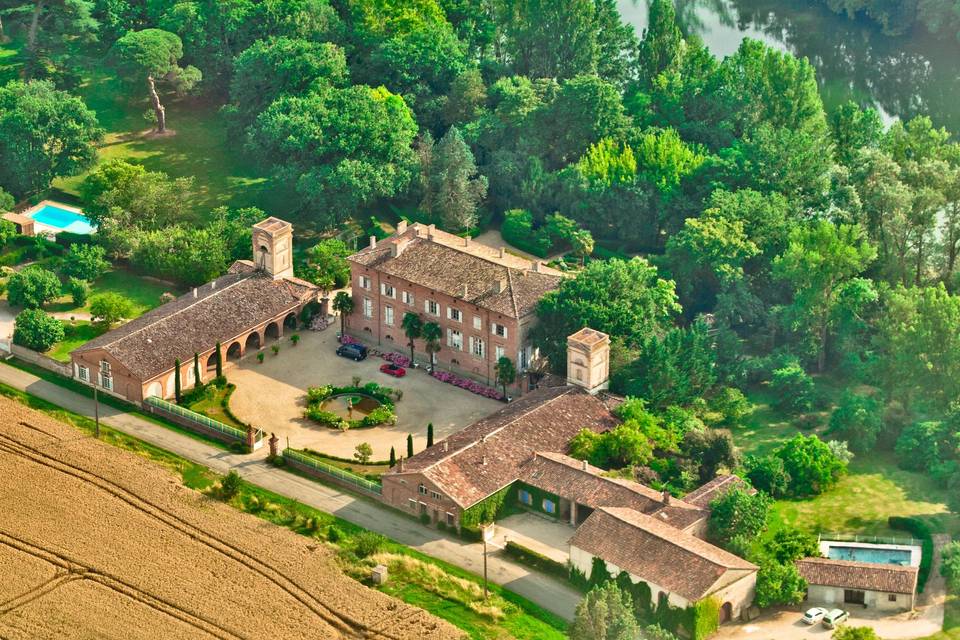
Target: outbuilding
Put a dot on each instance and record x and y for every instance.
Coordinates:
(885, 587)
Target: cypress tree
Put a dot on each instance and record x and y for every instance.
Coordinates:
(429, 435)
(393, 457)
(219, 361)
(409, 445)
(197, 380)
(176, 380)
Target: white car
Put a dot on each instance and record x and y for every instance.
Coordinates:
(815, 615)
(835, 618)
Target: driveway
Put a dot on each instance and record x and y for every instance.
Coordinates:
(537, 533)
(786, 625)
(272, 397)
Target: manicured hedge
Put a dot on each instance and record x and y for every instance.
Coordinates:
(920, 530)
(536, 560)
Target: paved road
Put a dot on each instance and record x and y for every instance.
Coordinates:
(550, 593)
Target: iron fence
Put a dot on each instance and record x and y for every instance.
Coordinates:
(198, 418)
(332, 471)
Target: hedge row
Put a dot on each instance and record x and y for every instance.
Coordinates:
(537, 561)
(920, 530)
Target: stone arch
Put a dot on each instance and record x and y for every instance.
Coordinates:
(234, 351)
(191, 377)
(172, 384)
(290, 322)
(212, 361)
(253, 342)
(726, 612)
(272, 332)
(154, 390)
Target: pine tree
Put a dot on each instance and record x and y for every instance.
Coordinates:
(429, 435)
(409, 445)
(176, 380)
(197, 380)
(393, 457)
(453, 188)
(219, 361)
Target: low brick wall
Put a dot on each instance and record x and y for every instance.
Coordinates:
(28, 355)
(189, 424)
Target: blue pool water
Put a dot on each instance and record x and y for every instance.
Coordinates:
(876, 556)
(63, 219)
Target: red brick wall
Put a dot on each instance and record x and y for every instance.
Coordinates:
(400, 489)
(375, 329)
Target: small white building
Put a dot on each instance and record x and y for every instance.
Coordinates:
(885, 587)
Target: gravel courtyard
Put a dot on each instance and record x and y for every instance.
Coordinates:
(272, 397)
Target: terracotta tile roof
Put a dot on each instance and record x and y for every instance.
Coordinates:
(577, 480)
(221, 310)
(487, 456)
(863, 576)
(471, 273)
(588, 336)
(703, 495)
(659, 553)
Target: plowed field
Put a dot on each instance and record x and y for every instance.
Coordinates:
(98, 543)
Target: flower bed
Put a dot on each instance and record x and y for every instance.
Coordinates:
(398, 359)
(384, 414)
(345, 339)
(468, 384)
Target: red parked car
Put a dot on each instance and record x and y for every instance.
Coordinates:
(393, 370)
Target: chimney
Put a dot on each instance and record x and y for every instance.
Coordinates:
(666, 497)
(483, 461)
(499, 286)
(401, 227)
(445, 445)
(584, 465)
(466, 291)
(213, 284)
(503, 252)
(373, 242)
(397, 246)
(431, 229)
(194, 292)
(400, 464)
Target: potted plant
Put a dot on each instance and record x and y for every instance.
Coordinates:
(260, 357)
(295, 338)
(275, 348)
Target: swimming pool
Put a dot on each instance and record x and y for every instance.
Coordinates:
(55, 217)
(896, 554)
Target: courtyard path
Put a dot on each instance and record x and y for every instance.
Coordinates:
(550, 593)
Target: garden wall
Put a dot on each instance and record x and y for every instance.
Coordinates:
(191, 425)
(28, 355)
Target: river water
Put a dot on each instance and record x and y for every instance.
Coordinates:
(900, 76)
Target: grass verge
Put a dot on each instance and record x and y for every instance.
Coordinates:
(440, 588)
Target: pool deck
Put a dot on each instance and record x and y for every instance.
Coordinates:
(46, 229)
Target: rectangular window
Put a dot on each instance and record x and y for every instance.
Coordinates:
(524, 358)
(435, 495)
(105, 367)
(499, 330)
(407, 298)
(106, 381)
(388, 315)
(451, 521)
(387, 290)
(84, 373)
(455, 339)
(477, 347)
(477, 323)
(432, 307)
(454, 314)
(892, 597)
(525, 497)
(365, 283)
(549, 506)
(500, 352)
(367, 308)
(412, 504)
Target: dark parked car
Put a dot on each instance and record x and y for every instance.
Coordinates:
(353, 351)
(393, 370)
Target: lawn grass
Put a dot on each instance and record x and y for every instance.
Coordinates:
(142, 292)
(200, 149)
(10, 60)
(77, 334)
(211, 405)
(521, 618)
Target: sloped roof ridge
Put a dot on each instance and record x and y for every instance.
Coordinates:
(716, 557)
(513, 420)
(162, 318)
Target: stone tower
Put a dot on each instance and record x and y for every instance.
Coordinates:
(273, 247)
(588, 360)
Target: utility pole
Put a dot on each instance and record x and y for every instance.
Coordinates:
(96, 413)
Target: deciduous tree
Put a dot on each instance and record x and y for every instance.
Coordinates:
(32, 287)
(36, 330)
